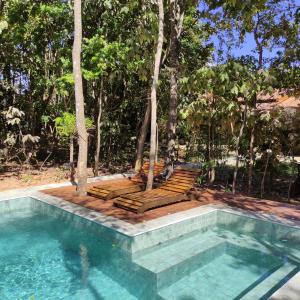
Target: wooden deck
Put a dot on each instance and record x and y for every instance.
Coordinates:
(130, 185)
(199, 198)
(173, 190)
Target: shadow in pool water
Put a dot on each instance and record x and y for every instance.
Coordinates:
(80, 253)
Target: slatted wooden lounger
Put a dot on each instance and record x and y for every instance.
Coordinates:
(124, 186)
(173, 190)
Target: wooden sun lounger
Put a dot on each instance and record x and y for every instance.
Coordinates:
(124, 186)
(173, 190)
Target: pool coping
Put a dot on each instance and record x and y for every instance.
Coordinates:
(289, 291)
(127, 228)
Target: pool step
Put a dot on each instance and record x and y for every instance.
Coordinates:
(138, 281)
(227, 278)
(101, 286)
(267, 287)
(174, 260)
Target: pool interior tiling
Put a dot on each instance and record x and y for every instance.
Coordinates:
(48, 253)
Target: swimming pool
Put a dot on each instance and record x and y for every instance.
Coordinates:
(49, 253)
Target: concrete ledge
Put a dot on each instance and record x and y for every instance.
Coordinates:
(289, 291)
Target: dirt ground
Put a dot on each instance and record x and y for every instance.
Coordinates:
(11, 177)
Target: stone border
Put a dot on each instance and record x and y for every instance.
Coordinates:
(127, 228)
(289, 291)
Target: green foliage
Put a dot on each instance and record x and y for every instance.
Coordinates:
(119, 41)
(66, 125)
(102, 58)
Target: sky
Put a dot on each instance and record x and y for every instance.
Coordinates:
(248, 47)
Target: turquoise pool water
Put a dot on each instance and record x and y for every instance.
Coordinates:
(48, 253)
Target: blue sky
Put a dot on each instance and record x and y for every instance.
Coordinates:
(248, 47)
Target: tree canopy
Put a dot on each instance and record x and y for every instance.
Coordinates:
(207, 97)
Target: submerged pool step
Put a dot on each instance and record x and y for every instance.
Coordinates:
(174, 260)
(268, 286)
(101, 286)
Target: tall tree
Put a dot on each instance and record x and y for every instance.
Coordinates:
(142, 137)
(154, 86)
(176, 21)
(79, 102)
(271, 28)
(271, 24)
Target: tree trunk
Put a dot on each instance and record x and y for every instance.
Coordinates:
(176, 25)
(156, 148)
(262, 185)
(260, 50)
(172, 121)
(251, 159)
(260, 57)
(235, 169)
(237, 147)
(72, 170)
(212, 155)
(98, 130)
(142, 137)
(251, 146)
(79, 102)
(153, 92)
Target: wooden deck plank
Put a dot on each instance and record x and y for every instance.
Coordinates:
(180, 178)
(175, 189)
(179, 184)
(172, 191)
(152, 204)
(128, 192)
(127, 202)
(147, 194)
(126, 185)
(99, 190)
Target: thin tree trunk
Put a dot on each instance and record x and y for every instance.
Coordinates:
(142, 137)
(98, 130)
(176, 8)
(237, 147)
(251, 159)
(156, 148)
(208, 149)
(153, 92)
(172, 120)
(79, 102)
(260, 57)
(72, 169)
(260, 50)
(291, 178)
(251, 146)
(236, 167)
(262, 185)
(212, 159)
